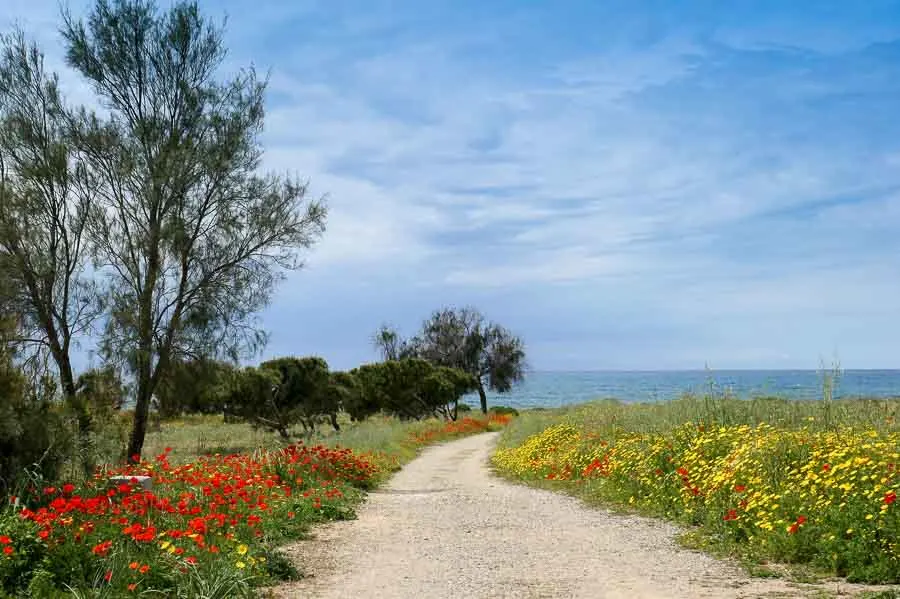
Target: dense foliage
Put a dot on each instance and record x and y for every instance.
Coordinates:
(464, 340)
(408, 388)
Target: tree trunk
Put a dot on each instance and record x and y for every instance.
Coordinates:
(334, 421)
(139, 426)
(483, 396)
(76, 404)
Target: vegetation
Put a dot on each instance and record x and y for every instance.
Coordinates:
(212, 522)
(811, 483)
(408, 388)
(462, 339)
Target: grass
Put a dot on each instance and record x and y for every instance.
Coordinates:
(224, 497)
(808, 483)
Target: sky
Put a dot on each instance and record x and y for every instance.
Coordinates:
(626, 185)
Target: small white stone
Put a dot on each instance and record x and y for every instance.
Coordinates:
(145, 481)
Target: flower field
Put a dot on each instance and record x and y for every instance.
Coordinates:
(208, 527)
(807, 495)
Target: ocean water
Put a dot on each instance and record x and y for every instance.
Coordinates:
(553, 389)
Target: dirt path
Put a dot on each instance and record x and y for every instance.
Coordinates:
(445, 527)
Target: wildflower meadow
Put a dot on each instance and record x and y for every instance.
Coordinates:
(208, 527)
(796, 490)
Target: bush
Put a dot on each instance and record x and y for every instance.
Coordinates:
(33, 435)
(504, 410)
(409, 389)
(193, 387)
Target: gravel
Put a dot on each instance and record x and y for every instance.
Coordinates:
(445, 527)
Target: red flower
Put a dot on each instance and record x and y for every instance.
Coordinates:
(191, 560)
(793, 529)
(826, 467)
(8, 550)
(890, 498)
(134, 565)
(108, 576)
(739, 488)
(144, 569)
(68, 488)
(132, 586)
(5, 540)
(801, 520)
(730, 516)
(102, 549)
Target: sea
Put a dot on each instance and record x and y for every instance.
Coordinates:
(554, 389)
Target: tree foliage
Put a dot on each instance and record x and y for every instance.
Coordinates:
(45, 204)
(191, 236)
(284, 392)
(463, 339)
(193, 386)
(408, 388)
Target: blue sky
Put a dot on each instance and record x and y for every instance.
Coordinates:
(627, 185)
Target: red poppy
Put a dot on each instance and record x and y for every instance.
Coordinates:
(108, 576)
(890, 498)
(739, 488)
(8, 550)
(5, 540)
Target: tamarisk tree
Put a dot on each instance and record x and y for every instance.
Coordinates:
(45, 204)
(191, 236)
(464, 340)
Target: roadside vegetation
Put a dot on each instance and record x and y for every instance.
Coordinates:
(811, 484)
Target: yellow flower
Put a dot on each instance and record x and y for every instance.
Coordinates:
(242, 549)
(165, 545)
(240, 565)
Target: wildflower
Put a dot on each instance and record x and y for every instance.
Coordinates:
(7, 550)
(240, 565)
(739, 488)
(5, 540)
(144, 569)
(134, 565)
(108, 576)
(68, 488)
(890, 498)
(132, 586)
(242, 549)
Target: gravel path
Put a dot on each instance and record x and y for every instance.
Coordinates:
(445, 527)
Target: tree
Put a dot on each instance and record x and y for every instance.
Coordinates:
(462, 339)
(191, 236)
(305, 392)
(409, 388)
(390, 345)
(45, 203)
(192, 386)
(283, 392)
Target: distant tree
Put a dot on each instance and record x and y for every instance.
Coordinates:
(251, 394)
(192, 386)
(46, 199)
(390, 345)
(462, 339)
(410, 388)
(282, 393)
(192, 238)
(102, 389)
(305, 391)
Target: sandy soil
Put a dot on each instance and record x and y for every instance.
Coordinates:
(445, 527)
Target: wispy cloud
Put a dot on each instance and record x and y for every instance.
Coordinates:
(627, 186)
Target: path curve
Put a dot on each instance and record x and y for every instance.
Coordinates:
(445, 527)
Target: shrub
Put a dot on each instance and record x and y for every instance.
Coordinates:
(410, 389)
(193, 387)
(504, 410)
